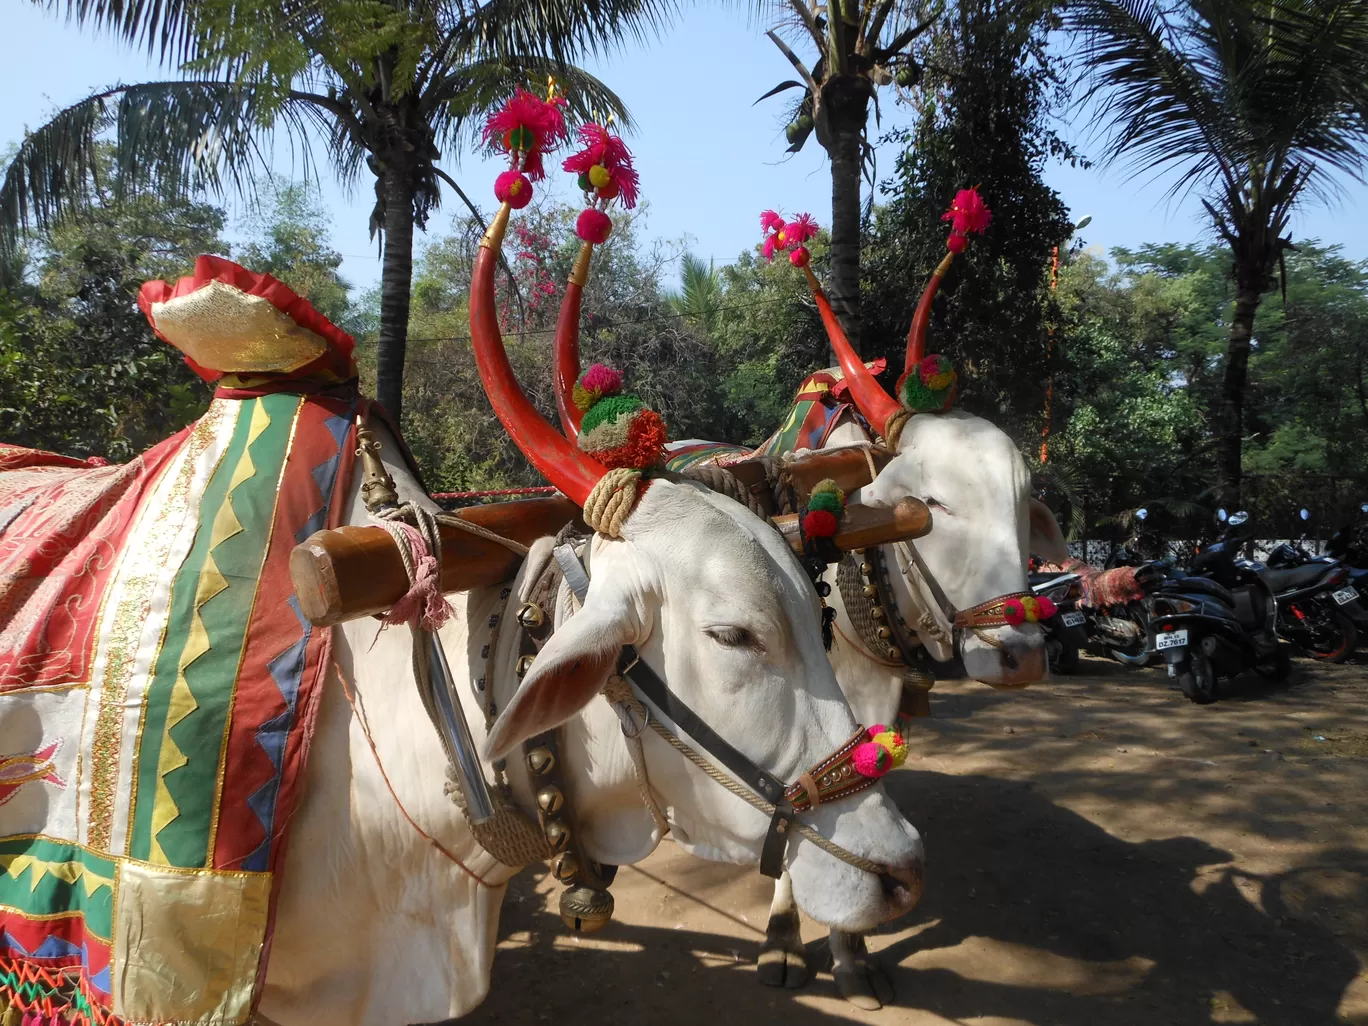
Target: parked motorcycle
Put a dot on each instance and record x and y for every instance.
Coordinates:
(1318, 607)
(1217, 620)
(1118, 618)
(1065, 633)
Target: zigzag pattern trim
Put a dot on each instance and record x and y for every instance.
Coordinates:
(69, 872)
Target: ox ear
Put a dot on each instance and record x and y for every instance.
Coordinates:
(567, 673)
(1047, 539)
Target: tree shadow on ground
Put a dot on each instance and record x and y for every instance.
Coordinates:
(1032, 913)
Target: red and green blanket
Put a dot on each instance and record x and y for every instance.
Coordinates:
(817, 408)
(158, 687)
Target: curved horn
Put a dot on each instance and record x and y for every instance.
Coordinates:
(869, 395)
(567, 362)
(560, 462)
(916, 335)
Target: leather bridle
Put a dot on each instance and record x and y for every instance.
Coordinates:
(830, 780)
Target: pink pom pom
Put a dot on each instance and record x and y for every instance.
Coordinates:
(1045, 608)
(968, 213)
(876, 730)
(800, 257)
(957, 243)
(602, 379)
(872, 760)
(594, 226)
(770, 221)
(513, 188)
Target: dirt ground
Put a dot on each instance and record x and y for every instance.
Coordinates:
(1100, 851)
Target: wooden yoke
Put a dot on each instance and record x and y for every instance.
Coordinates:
(848, 466)
(350, 572)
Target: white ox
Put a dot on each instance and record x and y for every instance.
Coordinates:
(985, 525)
(375, 926)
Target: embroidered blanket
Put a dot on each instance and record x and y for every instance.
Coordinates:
(157, 691)
(817, 409)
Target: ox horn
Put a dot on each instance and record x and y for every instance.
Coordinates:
(916, 334)
(567, 361)
(564, 465)
(876, 404)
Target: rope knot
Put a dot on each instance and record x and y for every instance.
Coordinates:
(612, 500)
(424, 601)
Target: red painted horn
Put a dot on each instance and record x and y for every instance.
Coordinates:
(876, 404)
(567, 361)
(559, 461)
(916, 335)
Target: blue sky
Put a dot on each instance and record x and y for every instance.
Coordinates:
(709, 160)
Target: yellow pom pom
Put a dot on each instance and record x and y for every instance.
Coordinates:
(583, 398)
(893, 743)
(828, 485)
(598, 176)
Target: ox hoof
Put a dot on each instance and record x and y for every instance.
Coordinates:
(783, 963)
(859, 979)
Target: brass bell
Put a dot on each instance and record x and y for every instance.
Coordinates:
(585, 909)
(878, 613)
(530, 615)
(893, 653)
(870, 590)
(540, 761)
(884, 633)
(565, 868)
(866, 568)
(557, 835)
(550, 800)
(524, 664)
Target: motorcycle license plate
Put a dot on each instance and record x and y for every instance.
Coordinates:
(1170, 639)
(1073, 619)
(1344, 596)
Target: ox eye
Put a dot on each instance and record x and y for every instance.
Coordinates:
(933, 502)
(733, 637)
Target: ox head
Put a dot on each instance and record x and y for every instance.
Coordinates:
(986, 522)
(718, 605)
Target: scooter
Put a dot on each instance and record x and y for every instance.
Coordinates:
(1065, 632)
(1217, 620)
(1121, 629)
(1318, 607)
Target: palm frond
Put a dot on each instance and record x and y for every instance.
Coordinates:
(170, 137)
(166, 27)
(559, 30)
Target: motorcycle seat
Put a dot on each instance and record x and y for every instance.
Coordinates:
(1296, 577)
(1201, 585)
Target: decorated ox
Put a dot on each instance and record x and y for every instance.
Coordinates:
(963, 587)
(162, 682)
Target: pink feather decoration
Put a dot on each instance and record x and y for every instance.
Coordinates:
(543, 118)
(968, 213)
(603, 148)
(800, 229)
(770, 221)
(771, 246)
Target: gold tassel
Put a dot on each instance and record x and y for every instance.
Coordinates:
(12, 1016)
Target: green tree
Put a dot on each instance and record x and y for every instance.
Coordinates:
(80, 370)
(700, 296)
(292, 245)
(984, 119)
(1254, 103)
(388, 84)
(860, 46)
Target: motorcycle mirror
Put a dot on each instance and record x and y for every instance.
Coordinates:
(1305, 514)
(1221, 515)
(1363, 508)
(1141, 513)
(1236, 519)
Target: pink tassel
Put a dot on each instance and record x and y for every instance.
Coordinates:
(425, 591)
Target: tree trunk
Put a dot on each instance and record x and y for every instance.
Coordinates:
(1232, 395)
(846, 116)
(396, 280)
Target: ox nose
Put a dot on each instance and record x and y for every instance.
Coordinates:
(903, 885)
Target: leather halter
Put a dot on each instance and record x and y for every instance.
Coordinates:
(830, 780)
(976, 618)
(988, 614)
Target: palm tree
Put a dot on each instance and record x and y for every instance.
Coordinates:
(861, 45)
(699, 300)
(387, 84)
(1255, 103)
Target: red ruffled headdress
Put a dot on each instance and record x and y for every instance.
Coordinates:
(228, 320)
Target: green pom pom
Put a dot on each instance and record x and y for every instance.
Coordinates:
(829, 501)
(920, 399)
(609, 408)
(584, 183)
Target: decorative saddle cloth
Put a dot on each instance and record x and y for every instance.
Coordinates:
(817, 409)
(158, 683)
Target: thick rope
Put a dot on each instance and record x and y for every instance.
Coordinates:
(612, 501)
(755, 801)
(424, 602)
(893, 427)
